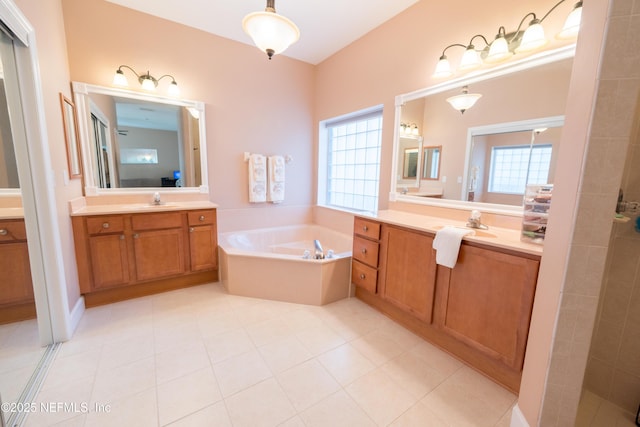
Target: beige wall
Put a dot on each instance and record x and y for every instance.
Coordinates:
(47, 20)
(251, 104)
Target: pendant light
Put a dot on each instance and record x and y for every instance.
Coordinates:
(270, 32)
(464, 101)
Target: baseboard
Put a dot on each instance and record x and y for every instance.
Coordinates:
(76, 315)
(517, 418)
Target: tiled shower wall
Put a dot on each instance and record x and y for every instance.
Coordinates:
(613, 370)
(604, 260)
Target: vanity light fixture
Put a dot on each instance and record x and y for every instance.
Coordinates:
(147, 81)
(505, 45)
(464, 101)
(407, 129)
(270, 32)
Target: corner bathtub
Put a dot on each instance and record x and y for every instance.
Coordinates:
(268, 263)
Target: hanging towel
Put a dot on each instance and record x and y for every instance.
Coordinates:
(447, 244)
(257, 178)
(276, 179)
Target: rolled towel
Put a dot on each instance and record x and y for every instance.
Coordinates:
(447, 244)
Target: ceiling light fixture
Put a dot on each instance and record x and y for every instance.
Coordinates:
(464, 101)
(505, 45)
(147, 81)
(270, 32)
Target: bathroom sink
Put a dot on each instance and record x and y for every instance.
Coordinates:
(477, 232)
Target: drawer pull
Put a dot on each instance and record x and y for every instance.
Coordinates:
(364, 251)
(201, 218)
(135, 236)
(3, 232)
(105, 225)
(122, 237)
(190, 229)
(365, 228)
(362, 276)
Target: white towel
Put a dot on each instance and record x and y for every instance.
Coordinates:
(275, 192)
(257, 178)
(447, 244)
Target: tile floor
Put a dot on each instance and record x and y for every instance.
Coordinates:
(594, 411)
(20, 353)
(201, 357)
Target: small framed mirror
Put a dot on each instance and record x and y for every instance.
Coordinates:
(431, 162)
(411, 158)
(70, 124)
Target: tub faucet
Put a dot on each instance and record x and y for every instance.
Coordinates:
(475, 220)
(319, 253)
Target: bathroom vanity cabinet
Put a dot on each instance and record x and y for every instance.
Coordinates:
(16, 288)
(479, 310)
(126, 255)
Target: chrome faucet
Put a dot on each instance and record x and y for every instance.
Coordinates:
(156, 198)
(319, 253)
(475, 220)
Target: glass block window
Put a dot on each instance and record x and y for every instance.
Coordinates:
(512, 168)
(351, 162)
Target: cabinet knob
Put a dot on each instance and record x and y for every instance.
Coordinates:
(190, 229)
(364, 250)
(122, 237)
(365, 228)
(3, 232)
(362, 276)
(136, 235)
(105, 225)
(201, 218)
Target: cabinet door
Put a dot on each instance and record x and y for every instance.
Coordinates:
(16, 273)
(487, 301)
(159, 253)
(409, 271)
(109, 260)
(203, 247)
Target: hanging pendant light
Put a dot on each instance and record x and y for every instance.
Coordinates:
(270, 32)
(464, 101)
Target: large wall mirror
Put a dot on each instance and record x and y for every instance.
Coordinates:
(133, 141)
(520, 113)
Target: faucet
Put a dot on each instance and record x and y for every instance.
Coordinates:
(156, 198)
(319, 253)
(475, 220)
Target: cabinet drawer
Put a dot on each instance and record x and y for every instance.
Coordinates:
(366, 228)
(12, 231)
(201, 217)
(156, 221)
(366, 251)
(105, 224)
(364, 276)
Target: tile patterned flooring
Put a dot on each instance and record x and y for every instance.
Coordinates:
(201, 357)
(594, 411)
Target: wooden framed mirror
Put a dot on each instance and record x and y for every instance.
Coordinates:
(70, 124)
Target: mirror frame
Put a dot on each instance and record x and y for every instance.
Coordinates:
(529, 62)
(81, 93)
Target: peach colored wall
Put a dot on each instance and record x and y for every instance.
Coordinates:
(252, 104)
(47, 20)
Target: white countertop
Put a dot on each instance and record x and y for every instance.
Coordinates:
(11, 213)
(495, 236)
(141, 208)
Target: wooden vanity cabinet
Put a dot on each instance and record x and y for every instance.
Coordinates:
(127, 255)
(479, 310)
(17, 287)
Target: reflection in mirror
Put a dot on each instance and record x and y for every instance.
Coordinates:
(137, 141)
(520, 92)
(8, 167)
(431, 162)
(410, 168)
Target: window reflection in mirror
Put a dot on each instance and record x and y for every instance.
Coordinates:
(139, 141)
(431, 162)
(410, 168)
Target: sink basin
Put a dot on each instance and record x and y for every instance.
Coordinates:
(477, 232)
